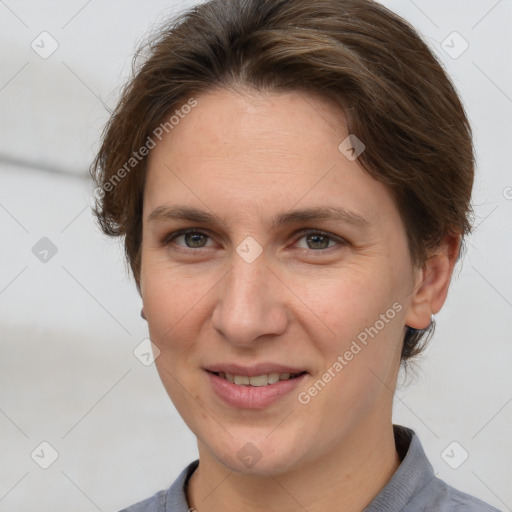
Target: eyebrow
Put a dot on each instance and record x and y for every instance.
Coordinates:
(165, 213)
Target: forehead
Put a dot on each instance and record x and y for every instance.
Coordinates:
(233, 125)
(258, 153)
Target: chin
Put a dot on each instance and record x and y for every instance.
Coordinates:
(257, 455)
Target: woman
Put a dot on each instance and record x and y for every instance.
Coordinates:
(293, 182)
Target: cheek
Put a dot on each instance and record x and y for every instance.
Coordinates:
(172, 303)
(359, 335)
(342, 304)
(171, 299)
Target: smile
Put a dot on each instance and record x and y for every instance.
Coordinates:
(258, 380)
(256, 391)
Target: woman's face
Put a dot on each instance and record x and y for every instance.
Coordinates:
(297, 262)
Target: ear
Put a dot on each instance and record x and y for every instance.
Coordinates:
(432, 282)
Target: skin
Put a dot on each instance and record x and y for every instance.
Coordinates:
(247, 157)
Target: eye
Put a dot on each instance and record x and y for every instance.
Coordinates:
(315, 241)
(318, 240)
(192, 238)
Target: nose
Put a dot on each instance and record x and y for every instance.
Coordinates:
(250, 303)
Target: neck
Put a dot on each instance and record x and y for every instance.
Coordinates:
(348, 477)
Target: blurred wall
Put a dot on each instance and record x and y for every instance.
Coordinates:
(70, 311)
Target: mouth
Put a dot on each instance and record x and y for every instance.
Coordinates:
(255, 387)
(265, 379)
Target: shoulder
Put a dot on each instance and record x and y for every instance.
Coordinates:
(438, 496)
(172, 499)
(414, 486)
(155, 503)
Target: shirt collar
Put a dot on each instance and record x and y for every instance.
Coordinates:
(414, 473)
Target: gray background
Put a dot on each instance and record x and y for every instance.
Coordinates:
(68, 375)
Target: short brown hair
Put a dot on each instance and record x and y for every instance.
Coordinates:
(395, 94)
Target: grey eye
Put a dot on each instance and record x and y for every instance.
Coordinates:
(195, 240)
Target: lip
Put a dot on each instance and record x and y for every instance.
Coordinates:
(253, 371)
(252, 397)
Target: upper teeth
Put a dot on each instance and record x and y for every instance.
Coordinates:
(258, 380)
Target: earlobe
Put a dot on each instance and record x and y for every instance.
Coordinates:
(142, 314)
(432, 283)
(412, 329)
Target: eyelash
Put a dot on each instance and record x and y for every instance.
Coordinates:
(172, 236)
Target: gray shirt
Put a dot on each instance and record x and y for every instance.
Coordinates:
(413, 487)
